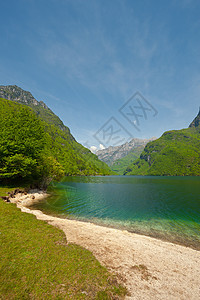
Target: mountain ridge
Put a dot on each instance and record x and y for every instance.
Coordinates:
(196, 121)
(17, 94)
(113, 153)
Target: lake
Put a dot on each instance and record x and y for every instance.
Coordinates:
(162, 207)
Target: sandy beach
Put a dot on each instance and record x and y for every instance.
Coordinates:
(148, 267)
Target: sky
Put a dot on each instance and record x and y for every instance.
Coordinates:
(111, 70)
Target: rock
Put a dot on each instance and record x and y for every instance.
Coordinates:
(16, 191)
(5, 198)
(21, 191)
(196, 121)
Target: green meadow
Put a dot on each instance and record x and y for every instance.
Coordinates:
(37, 262)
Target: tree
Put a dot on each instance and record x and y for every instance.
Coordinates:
(24, 146)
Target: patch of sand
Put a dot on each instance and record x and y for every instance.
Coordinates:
(148, 267)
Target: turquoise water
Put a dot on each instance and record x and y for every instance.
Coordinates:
(162, 207)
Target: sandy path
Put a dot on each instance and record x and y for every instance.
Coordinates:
(149, 268)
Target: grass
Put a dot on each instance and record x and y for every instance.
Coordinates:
(36, 262)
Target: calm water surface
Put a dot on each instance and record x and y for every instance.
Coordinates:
(163, 207)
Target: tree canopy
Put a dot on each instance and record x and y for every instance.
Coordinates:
(34, 150)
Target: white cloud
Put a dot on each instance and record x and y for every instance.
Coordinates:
(93, 149)
(101, 147)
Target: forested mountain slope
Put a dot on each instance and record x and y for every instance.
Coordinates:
(31, 148)
(120, 165)
(176, 152)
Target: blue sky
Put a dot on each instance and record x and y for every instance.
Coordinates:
(86, 58)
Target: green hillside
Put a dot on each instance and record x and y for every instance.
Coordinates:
(120, 165)
(176, 152)
(15, 93)
(76, 159)
(32, 149)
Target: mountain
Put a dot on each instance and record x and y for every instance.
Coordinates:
(15, 93)
(196, 121)
(73, 158)
(112, 154)
(175, 153)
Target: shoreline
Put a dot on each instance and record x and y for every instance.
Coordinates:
(170, 237)
(150, 268)
(158, 236)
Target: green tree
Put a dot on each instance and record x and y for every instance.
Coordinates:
(24, 146)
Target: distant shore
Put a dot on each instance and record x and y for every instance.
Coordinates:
(148, 267)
